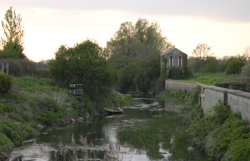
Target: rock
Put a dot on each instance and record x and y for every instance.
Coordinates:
(40, 126)
(87, 115)
(72, 120)
(80, 119)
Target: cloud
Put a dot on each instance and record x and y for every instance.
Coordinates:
(220, 10)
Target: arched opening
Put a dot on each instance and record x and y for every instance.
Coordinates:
(171, 61)
(180, 61)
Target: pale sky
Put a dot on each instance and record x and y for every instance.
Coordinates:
(223, 24)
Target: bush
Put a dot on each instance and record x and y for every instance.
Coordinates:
(197, 113)
(238, 151)
(48, 117)
(89, 105)
(246, 71)
(42, 73)
(234, 128)
(234, 66)
(5, 143)
(221, 112)
(194, 96)
(221, 135)
(17, 118)
(15, 131)
(178, 93)
(20, 67)
(5, 82)
(49, 104)
(175, 73)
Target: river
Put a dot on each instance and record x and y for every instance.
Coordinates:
(102, 137)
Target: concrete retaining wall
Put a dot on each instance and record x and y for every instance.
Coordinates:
(174, 86)
(238, 101)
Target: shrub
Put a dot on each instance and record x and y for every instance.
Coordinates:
(197, 113)
(175, 73)
(20, 67)
(240, 150)
(49, 104)
(234, 66)
(246, 71)
(89, 105)
(5, 82)
(17, 118)
(48, 117)
(221, 112)
(178, 93)
(5, 142)
(42, 73)
(234, 128)
(195, 95)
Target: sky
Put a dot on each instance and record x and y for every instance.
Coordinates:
(222, 24)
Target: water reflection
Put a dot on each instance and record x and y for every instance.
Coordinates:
(102, 133)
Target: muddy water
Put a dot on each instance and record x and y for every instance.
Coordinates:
(101, 135)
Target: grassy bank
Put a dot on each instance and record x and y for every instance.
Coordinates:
(34, 103)
(209, 79)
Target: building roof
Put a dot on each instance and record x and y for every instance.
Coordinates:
(170, 50)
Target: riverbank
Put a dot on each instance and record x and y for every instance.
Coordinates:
(36, 103)
(221, 136)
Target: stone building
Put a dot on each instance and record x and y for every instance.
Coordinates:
(174, 57)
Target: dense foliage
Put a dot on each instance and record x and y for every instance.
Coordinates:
(204, 61)
(134, 50)
(234, 66)
(219, 136)
(137, 40)
(84, 64)
(5, 82)
(20, 67)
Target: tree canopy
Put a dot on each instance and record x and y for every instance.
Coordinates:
(202, 51)
(12, 42)
(138, 40)
(84, 64)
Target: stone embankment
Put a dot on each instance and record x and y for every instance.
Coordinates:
(239, 101)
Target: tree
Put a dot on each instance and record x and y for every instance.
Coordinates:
(246, 71)
(211, 65)
(202, 51)
(234, 66)
(139, 40)
(84, 64)
(147, 73)
(12, 44)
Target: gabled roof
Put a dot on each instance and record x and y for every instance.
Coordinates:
(170, 50)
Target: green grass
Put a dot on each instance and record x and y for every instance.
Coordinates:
(39, 101)
(209, 79)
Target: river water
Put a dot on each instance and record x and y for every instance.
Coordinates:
(101, 136)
